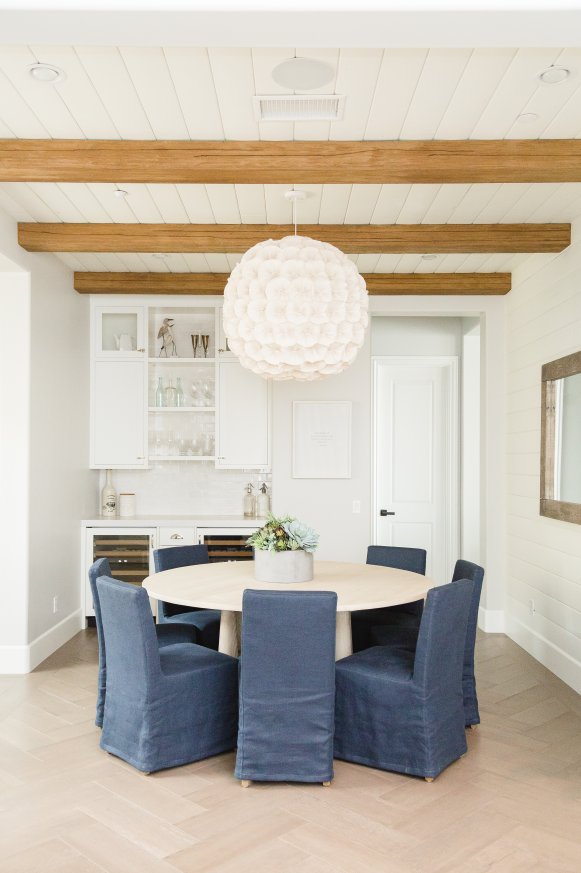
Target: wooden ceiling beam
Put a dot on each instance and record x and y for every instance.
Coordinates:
(378, 284)
(350, 238)
(410, 162)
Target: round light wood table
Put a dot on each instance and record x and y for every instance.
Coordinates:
(221, 585)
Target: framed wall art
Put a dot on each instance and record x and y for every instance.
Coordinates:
(321, 439)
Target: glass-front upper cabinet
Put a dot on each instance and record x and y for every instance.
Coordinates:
(119, 332)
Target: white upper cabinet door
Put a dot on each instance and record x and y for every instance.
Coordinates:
(119, 332)
(243, 418)
(119, 416)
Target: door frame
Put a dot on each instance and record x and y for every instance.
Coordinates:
(452, 449)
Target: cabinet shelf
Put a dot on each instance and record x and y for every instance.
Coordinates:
(173, 360)
(187, 458)
(173, 409)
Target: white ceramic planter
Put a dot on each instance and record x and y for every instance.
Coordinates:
(283, 567)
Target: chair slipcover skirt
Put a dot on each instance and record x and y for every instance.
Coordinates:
(287, 673)
(403, 711)
(163, 707)
(404, 637)
(205, 621)
(167, 635)
(404, 615)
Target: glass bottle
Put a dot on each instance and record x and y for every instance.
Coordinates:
(249, 502)
(180, 396)
(263, 501)
(170, 394)
(159, 393)
(108, 498)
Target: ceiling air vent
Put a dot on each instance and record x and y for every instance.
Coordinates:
(299, 107)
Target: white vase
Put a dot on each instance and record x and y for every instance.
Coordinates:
(283, 567)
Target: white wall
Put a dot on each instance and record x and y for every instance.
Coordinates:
(49, 371)
(416, 336)
(345, 535)
(544, 555)
(14, 453)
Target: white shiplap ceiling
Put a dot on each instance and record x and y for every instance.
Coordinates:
(196, 93)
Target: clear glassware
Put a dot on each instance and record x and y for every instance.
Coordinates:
(160, 393)
(195, 394)
(208, 444)
(206, 393)
(180, 396)
(170, 394)
(170, 443)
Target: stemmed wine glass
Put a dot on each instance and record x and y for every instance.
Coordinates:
(205, 343)
(195, 342)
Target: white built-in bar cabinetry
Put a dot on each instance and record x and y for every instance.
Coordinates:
(225, 414)
(129, 543)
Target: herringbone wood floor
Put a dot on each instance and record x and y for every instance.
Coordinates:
(511, 805)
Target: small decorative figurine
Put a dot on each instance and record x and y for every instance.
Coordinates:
(168, 346)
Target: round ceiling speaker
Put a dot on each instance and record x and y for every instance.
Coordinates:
(303, 74)
(46, 73)
(554, 75)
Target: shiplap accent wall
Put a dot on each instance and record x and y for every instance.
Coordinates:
(543, 555)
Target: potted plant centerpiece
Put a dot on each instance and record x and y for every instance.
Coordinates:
(283, 550)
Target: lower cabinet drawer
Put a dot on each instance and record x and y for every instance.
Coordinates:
(177, 536)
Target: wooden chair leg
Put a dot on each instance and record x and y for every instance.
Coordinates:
(429, 778)
(245, 783)
(326, 784)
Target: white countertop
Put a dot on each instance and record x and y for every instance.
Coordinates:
(177, 520)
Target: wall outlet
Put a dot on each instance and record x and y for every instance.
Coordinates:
(532, 609)
(55, 605)
(356, 507)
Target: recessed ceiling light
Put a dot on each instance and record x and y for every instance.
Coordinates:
(554, 75)
(527, 117)
(47, 73)
(303, 74)
(121, 193)
(429, 257)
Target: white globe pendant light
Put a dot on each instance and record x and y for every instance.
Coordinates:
(295, 308)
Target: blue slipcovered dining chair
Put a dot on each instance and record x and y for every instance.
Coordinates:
(403, 711)
(163, 707)
(387, 635)
(206, 621)
(405, 614)
(287, 687)
(167, 635)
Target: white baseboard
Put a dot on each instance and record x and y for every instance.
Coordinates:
(23, 659)
(491, 621)
(547, 653)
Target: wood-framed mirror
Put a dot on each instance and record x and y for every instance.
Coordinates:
(561, 439)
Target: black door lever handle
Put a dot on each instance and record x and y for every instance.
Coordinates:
(385, 512)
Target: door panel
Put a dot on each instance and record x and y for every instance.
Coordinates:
(416, 458)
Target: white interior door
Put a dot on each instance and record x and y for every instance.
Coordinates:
(416, 458)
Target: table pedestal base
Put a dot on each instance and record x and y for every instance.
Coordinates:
(343, 640)
(229, 641)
